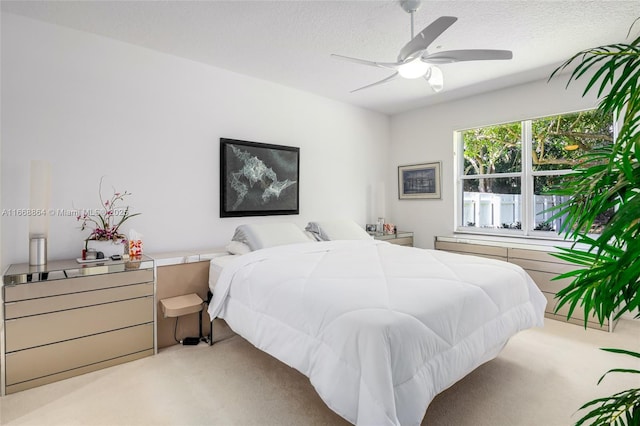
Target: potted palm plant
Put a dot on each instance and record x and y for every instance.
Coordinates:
(606, 181)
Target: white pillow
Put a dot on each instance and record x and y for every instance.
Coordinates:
(259, 236)
(337, 230)
(236, 247)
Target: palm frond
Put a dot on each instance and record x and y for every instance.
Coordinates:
(606, 280)
(622, 408)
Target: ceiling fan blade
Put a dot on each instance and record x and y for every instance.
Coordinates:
(435, 79)
(388, 65)
(391, 77)
(421, 41)
(467, 55)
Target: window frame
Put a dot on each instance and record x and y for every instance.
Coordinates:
(526, 176)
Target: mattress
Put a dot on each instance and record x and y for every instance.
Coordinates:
(379, 329)
(216, 266)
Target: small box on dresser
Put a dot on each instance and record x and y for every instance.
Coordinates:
(64, 319)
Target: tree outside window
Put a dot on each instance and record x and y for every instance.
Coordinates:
(508, 168)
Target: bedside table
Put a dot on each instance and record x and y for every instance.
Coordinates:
(175, 307)
(401, 238)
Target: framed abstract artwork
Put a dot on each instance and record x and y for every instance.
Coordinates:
(418, 181)
(258, 179)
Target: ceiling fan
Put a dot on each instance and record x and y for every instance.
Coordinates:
(414, 61)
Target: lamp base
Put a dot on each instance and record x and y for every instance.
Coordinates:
(37, 251)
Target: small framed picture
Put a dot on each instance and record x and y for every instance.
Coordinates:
(371, 227)
(419, 181)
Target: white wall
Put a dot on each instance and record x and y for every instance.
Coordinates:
(151, 123)
(426, 135)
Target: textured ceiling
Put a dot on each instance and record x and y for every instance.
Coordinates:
(289, 42)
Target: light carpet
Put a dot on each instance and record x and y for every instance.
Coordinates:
(541, 378)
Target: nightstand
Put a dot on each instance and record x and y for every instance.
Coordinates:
(401, 238)
(64, 319)
(175, 307)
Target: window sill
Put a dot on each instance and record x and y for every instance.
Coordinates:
(515, 241)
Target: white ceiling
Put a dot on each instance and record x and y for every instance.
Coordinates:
(289, 42)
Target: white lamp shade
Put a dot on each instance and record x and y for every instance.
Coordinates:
(39, 198)
(381, 201)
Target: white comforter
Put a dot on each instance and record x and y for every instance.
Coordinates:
(379, 329)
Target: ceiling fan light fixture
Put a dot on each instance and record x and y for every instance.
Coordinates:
(413, 69)
(414, 61)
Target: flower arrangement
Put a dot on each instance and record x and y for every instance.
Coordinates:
(105, 222)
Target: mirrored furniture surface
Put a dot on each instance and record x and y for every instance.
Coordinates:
(402, 238)
(68, 318)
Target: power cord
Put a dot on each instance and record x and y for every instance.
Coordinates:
(175, 331)
(189, 341)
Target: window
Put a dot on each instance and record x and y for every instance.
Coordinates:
(505, 170)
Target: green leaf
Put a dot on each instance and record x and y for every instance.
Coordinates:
(622, 351)
(606, 280)
(618, 370)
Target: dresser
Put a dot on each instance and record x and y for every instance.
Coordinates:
(64, 319)
(541, 266)
(401, 238)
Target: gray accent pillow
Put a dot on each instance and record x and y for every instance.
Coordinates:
(337, 230)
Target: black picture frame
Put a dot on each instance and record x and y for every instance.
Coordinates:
(419, 181)
(258, 179)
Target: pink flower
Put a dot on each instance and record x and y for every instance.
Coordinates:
(106, 226)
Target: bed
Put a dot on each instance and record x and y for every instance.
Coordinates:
(379, 329)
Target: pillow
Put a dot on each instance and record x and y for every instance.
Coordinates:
(337, 230)
(259, 236)
(236, 247)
